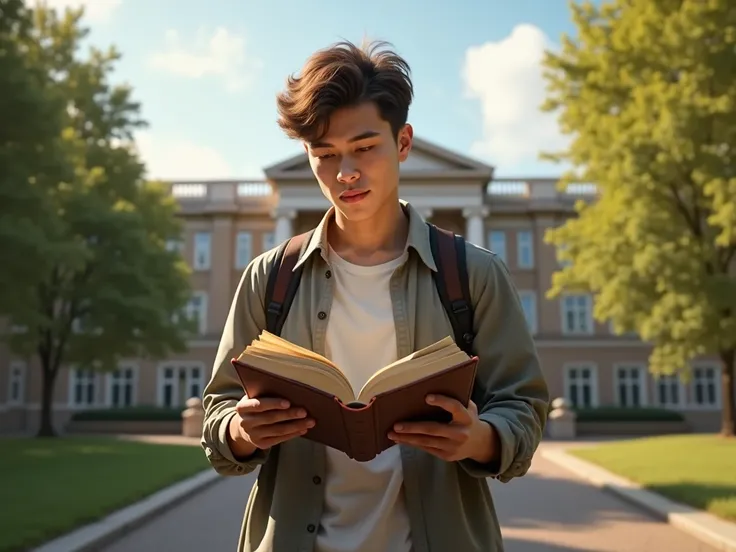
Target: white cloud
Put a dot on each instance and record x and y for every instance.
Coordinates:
(170, 158)
(506, 78)
(221, 54)
(95, 11)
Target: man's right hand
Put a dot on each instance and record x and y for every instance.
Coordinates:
(263, 423)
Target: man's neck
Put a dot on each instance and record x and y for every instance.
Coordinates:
(377, 240)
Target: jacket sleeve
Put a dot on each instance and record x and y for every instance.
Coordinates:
(244, 323)
(511, 392)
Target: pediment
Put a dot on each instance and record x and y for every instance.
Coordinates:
(425, 160)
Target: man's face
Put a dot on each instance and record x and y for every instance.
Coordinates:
(357, 162)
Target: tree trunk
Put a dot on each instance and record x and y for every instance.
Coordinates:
(728, 386)
(46, 429)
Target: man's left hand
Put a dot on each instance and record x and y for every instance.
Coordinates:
(466, 436)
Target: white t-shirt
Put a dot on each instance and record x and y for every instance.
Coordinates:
(364, 501)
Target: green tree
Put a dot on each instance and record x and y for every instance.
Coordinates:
(109, 288)
(29, 135)
(647, 93)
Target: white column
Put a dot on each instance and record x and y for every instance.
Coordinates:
(475, 224)
(284, 225)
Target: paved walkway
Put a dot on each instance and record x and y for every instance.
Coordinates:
(548, 510)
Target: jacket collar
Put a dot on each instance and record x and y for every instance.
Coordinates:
(418, 238)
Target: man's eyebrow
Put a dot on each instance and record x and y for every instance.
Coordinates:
(362, 136)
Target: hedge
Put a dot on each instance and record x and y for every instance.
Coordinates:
(136, 413)
(621, 414)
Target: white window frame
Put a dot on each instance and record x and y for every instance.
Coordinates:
(202, 257)
(268, 241)
(188, 368)
(97, 390)
(243, 248)
(175, 244)
(643, 381)
(499, 248)
(526, 243)
(532, 320)
(681, 402)
(203, 299)
(17, 374)
(111, 381)
(717, 384)
(590, 330)
(567, 380)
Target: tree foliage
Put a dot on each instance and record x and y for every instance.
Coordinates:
(108, 287)
(647, 93)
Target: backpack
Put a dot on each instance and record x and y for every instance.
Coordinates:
(451, 281)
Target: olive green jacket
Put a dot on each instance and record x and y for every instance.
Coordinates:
(449, 503)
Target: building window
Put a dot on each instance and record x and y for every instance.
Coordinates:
(630, 385)
(196, 310)
(525, 249)
(497, 243)
(202, 250)
(268, 241)
(17, 383)
(581, 385)
(121, 387)
(243, 249)
(175, 245)
(705, 387)
(577, 314)
(529, 306)
(668, 391)
(178, 382)
(83, 388)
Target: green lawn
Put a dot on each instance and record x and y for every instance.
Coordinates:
(698, 470)
(50, 486)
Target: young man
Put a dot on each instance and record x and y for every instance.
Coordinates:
(366, 298)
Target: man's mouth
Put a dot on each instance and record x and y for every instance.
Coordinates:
(353, 196)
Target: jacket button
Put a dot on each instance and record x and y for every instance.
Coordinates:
(321, 315)
(311, 528)
(316, 480)
(328, 274)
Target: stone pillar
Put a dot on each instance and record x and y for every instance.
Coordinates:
(561, 422)
(284, 225)
(192, 418)
(475, 226)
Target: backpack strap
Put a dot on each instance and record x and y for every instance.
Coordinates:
(451, 280)
(283, 281)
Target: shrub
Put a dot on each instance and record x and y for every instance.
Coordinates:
(625, 414)
(135, 413)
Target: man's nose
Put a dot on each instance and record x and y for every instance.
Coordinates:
(348, 173)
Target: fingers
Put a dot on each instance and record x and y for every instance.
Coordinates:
(459, 413)
(430, 429)
(247, 405)
(269, 421)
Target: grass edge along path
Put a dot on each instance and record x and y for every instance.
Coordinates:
(693, 469)
(53, 486)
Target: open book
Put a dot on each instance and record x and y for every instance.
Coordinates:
(356, 423)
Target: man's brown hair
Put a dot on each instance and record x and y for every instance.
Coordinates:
(345, 75)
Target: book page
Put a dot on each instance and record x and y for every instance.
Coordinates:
(296, 369)
(419, 365)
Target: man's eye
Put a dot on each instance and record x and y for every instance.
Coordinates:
(366, 148)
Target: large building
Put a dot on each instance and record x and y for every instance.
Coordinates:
(227, 223)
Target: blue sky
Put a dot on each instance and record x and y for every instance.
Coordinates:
(207, 76)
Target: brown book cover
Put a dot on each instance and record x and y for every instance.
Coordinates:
(356, 423)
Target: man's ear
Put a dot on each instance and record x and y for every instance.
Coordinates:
(405, 139)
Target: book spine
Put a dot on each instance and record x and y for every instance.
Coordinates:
(361, 432)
